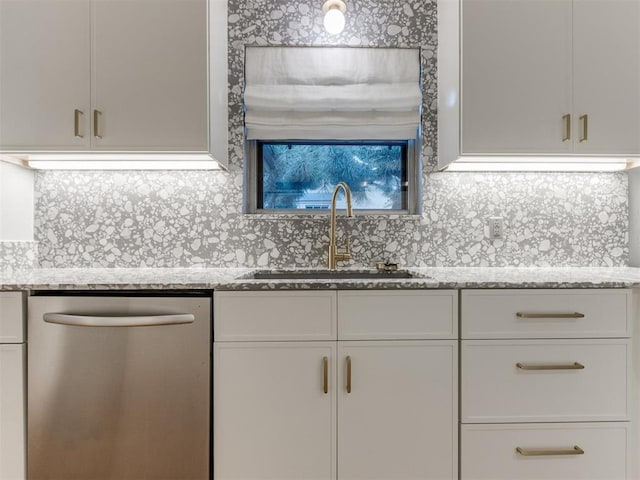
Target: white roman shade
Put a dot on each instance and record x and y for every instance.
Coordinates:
(332, 93)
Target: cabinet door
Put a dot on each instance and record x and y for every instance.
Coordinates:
(272, 417)
(149, 65)
(516, 76)
(44, 74)
(12, 418)
(607, 76)
(399, 421)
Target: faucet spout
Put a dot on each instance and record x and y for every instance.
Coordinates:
(336, 256)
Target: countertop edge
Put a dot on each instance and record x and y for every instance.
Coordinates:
(238, 279)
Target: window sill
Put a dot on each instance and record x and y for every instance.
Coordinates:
(358, 214)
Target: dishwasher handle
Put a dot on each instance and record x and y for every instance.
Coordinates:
(118, 321)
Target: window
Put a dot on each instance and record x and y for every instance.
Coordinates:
(299, 177)
(317, 116)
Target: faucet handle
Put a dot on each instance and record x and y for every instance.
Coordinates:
(343, 256)
(386, 266)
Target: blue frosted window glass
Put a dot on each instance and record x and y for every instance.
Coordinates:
(301, 176)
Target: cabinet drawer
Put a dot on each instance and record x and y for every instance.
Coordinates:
(12, 314)
(541, 381)
(546, 313)
(273, 316)
(397, 315)
(489, 451)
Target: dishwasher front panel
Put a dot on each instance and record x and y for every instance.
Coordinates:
(126, 402)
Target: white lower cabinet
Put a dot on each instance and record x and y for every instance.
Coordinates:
(562, 451)
(364, 385)
(12, 414)
(382, 409)
(546, 384)
(12, 387)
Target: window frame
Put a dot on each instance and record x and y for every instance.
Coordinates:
(413, 179)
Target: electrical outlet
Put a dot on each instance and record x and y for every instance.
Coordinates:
(496, 228)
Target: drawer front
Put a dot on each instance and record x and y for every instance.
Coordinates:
(12, 314)
(592, 313)
(397, 315)
(489, 452)
(274, 316)
(541, 381)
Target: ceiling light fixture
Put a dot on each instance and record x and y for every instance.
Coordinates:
(334, 11)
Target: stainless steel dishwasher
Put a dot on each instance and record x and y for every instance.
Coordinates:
(119, 387)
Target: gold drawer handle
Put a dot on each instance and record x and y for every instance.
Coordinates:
(549, 315)
(540, 452)
(325, 374)
(550, 366)
(348, 374)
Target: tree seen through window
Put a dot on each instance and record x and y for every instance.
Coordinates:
(296, 176)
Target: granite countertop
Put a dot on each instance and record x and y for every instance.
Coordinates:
(239, 279)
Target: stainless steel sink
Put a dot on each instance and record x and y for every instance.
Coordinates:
(330, 274)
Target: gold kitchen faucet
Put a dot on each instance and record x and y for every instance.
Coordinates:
(336, 256)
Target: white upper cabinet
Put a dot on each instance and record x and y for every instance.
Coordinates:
(606, 90)
(44, 74)
(539, 77)
(114, 76)
(516, 76)
(149, 74)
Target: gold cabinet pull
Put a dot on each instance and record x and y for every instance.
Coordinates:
(549, 315)
(550, 366)
(567, 127)
(585, 128)
(348, 374)
(76, 123)
(96, 130)
(325, 374)
(540, 452)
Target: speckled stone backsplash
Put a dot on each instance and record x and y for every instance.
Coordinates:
(16, 256)
(170, 219)
(159, 219)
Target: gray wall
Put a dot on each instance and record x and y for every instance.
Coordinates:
(17, 249)
(16, 203)
(117, 219)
